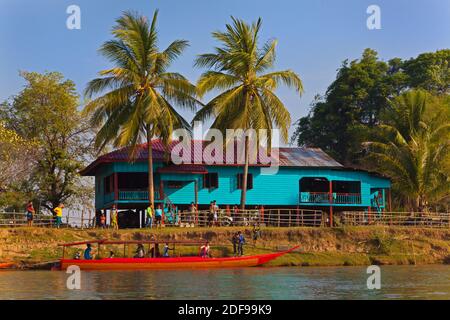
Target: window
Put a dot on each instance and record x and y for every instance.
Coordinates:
(174, 184)
(240, 181)
(211, 180)
(108, 184)
(132, 181)
(314, 184)
(346, 186)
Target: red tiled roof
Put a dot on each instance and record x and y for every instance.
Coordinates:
(287, 157)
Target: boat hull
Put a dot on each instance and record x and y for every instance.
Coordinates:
(6, 265)
(170, 263)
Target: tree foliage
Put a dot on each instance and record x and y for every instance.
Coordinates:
(362, 90)
(45, 112)
(138, 94)
(240, 70)
(412, 146)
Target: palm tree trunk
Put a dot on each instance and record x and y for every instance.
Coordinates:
(244, 178)
(151, 193)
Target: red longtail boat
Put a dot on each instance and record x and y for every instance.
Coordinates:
(158, 262)
(6, 265)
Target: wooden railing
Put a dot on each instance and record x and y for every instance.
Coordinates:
(351, 198)
(132, 195)
(326, 197)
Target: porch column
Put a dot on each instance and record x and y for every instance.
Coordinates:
(161, 190)
(196, 192)
(389, 197)
(331, 202)
(116, 186)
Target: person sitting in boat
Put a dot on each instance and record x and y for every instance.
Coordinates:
(140, 251)
(204, 250)
(88, 252)
(77, 255)
(166, 250)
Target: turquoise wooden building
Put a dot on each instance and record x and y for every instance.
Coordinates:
(307, 178)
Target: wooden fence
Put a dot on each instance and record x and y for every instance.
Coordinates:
(268, 217)
(18, 219)
(406, 219)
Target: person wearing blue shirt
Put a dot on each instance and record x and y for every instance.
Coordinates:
(87, 252)
(158, 216)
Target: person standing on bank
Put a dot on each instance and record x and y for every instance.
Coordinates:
(58, 214)
(241, 243)
(114, 218)
(30, 213)
(158, 216)
(149, 214)
(235, 242)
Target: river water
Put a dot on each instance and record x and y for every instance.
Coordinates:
(397, 282)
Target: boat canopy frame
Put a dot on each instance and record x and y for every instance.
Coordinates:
(130, 242)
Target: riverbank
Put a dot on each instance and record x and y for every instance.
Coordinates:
(349, 246)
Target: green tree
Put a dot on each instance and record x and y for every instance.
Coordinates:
(430, 71)
(137, 94)
(15, 154)
(412, 146)
(354, 100)
(45, 112)
(246, 99)
(339, 120)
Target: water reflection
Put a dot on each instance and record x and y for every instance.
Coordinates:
(398, 282)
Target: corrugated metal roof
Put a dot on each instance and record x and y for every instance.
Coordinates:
(287, 157)
(305, 157)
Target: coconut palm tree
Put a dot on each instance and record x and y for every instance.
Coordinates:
(412, 146)
(136, 95)
(246, 98)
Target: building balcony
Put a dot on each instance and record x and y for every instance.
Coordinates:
(129, 195)
(330, 198)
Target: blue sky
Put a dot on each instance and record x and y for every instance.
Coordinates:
(314, 36)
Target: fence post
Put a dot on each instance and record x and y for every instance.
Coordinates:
(302, 214)
(279, 217)
(290, 212)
